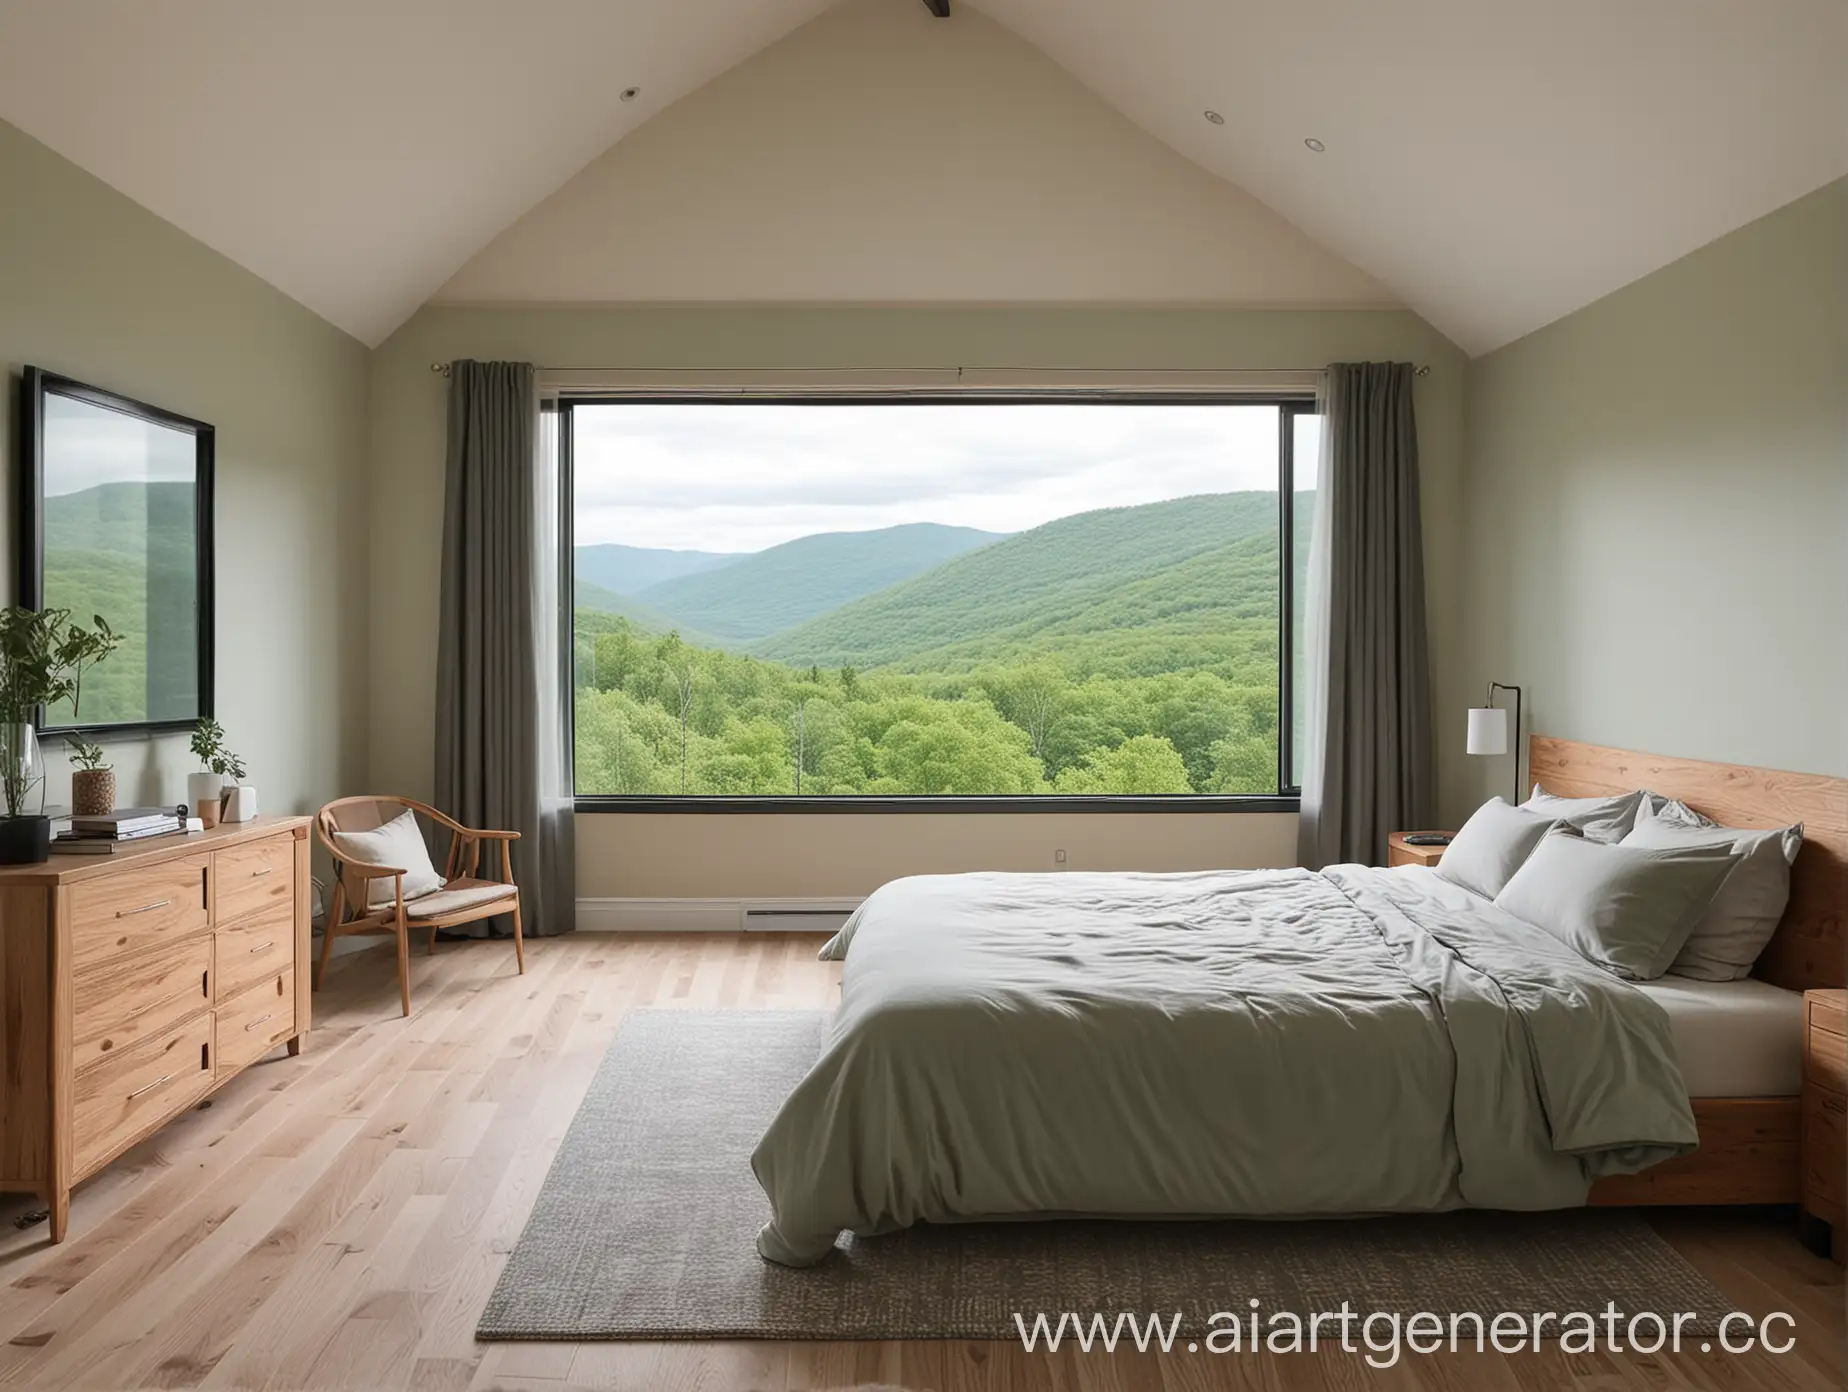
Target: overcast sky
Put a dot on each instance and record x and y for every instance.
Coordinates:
(86, 445)
(744, 477)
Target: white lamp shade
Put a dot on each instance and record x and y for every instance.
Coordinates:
(1488, 730)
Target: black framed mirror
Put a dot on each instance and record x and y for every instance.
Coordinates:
(115, 518)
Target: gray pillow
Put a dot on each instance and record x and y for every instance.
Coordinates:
(1598, 819)
(1629, 910)
(1491, 847)
(1728, 937)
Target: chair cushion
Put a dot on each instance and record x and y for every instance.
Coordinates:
(456, 896)
(398, 843)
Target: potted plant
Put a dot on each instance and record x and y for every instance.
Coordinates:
(42, 660)
(221, 766)
(93, 783)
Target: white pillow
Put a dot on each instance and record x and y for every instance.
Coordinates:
(1493, 844)
(1745, 911)
(1627, 909)
(1598, 819)
(398, 843)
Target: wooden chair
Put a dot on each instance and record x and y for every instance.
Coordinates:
(463, 898)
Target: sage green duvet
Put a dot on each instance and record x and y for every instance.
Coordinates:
(1250, 1043)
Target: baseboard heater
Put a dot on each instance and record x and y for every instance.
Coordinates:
(809, 920)
(788, 915)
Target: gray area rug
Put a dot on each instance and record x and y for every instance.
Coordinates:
(645, 1225)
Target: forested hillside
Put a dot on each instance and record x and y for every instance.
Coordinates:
(785, 585)
(107, 546)
(1031, 582)
(1125, 650)
(644, 616)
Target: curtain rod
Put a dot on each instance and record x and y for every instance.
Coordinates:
(1423, 371)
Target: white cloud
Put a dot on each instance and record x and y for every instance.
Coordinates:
(743, 476)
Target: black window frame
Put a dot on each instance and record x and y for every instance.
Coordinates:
(1288, 798)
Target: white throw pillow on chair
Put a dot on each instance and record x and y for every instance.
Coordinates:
(398, 843)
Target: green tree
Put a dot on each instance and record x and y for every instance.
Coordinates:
(1244, 765)
(615, 656)
(1145, 764)
(680, 671)
(1032, 697)
(961, 747)
(752, 759)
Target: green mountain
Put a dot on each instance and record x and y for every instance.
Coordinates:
(594, 596)
(595, 599)
(789, 584)
(630, 569)
(126, 551)
(1162, 587)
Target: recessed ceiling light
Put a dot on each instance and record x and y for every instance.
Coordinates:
(1315, 144)
(1215, 118)
(631, 93)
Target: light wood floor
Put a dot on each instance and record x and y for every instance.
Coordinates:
(338, 1220)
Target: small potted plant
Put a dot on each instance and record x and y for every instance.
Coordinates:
(93, 782)
(221, 769)
(42, 660)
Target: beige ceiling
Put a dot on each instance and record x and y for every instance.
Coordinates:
(1495, 164)
(959, 164)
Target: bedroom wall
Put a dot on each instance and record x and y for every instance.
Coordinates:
(669, 855)
(1658, 505)
(996, 214)
(95, 287)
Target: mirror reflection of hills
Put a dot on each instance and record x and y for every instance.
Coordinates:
(107, 548)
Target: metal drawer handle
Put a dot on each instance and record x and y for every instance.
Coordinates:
(145, 908)
(261, 947)
(150, 1087)
(259, 1020)
(264, 871)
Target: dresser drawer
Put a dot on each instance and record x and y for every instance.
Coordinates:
(118, 1002)
(143, 906)
(255, 1021)
(253, 877)
(117, 1100)
(254, 949)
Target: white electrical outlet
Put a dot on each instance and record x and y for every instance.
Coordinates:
(1058, 857)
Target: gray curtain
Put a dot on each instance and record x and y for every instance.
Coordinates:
(1368, 749)
(499, 689)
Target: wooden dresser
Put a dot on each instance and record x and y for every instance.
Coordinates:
(133, 984)
(1825, 1120)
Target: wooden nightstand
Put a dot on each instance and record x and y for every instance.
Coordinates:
(1398, 853)
(1825, 1121)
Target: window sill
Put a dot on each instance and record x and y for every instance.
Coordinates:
(1267, 802)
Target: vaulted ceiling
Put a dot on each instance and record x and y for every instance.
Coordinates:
(1495, 165)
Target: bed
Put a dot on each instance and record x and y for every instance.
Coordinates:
(1286, 1043)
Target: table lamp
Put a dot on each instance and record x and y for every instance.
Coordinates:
(1488, 729)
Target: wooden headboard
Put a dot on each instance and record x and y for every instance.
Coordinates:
(1811, 942)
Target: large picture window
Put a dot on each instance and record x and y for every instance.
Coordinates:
(1028, 601)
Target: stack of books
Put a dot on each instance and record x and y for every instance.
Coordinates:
(124, 826)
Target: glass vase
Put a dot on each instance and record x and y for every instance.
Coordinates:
(22, 770)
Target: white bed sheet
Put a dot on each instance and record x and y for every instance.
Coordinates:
(1734, 1038)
